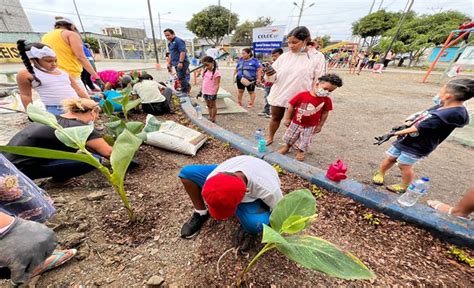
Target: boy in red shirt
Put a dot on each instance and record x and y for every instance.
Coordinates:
(306, 114)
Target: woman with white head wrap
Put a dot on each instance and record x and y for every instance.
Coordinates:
(52, 84)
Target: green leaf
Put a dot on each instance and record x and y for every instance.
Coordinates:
(299, 202)
(108, 107)
(38, 115)
(132, 104)
(122, 154)
(319, 254)
(295, 223)
(109, 139)
(115, 127)
(74, 137)
(134, 126)
(142, 135)
(50, 154)
(271, 236)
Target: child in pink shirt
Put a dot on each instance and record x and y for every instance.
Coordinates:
(211, 79)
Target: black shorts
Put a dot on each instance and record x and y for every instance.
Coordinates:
(208, 97)
(240, 86)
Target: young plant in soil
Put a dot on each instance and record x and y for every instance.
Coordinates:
(75, 137)
(127, 104)
(292, 215)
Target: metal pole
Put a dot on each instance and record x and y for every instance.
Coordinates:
(301, 12)
(398, 29)
(228, 25)
(153, 32)
(144, 51)
(100, 48)
(161, 33)
(121, 49)
(380, 6)
(79, 16)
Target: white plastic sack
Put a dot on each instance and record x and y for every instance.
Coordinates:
(175, 137)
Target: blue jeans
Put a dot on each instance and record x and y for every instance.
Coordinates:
(266, 108)
(183, 76)
(59, 169)
(251, 215)
(55, 109)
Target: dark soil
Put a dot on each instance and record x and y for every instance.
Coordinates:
(116, 253)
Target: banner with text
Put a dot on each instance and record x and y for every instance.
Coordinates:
(9, 53)
(265, 39)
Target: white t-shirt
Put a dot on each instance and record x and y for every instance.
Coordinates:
(295, 72)
(262, 179)
(148, 91)
(213, 52)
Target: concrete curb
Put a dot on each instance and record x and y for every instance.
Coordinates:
(453, 229)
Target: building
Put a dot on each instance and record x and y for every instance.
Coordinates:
(13, 17)
(125, 32)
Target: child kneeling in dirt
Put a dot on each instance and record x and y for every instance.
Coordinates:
(244, 186)
(307, 112)
(423, 132)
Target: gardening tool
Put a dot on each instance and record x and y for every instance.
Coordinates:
(337, 171)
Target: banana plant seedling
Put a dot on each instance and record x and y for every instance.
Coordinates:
(123, 151)
(292, 215)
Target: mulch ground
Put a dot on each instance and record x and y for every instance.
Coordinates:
(116, 253)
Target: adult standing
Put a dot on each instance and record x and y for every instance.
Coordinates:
(248, 72)
(67, 44)
(296, 70)
(212, 52)
(178, 57)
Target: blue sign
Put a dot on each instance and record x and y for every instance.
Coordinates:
(266, 47)
(265, 39)
(447, 55)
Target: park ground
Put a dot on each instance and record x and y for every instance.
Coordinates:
(114, 253)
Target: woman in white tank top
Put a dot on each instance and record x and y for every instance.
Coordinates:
(52, 84)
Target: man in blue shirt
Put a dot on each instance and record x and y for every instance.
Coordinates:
(179, 59)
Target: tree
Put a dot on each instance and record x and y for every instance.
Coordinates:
(243, 32)
(213, 23)
(93, 44)
(323, 41)
(376, 24)
(425, 31)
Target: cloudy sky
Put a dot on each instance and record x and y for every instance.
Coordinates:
(333, 17)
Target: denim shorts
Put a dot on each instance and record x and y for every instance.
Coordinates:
(403, 157)
(208, 97)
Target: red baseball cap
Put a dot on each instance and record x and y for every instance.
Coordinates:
(223, 193)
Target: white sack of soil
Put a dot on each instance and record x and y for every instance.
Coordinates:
(175, 137)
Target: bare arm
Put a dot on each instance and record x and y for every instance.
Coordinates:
(23, 79)
(76, 45)
(100, 146)
(259, 74)
(217, 83)
(288, 115)
(409, 130)
(324, 117)
(80, 92)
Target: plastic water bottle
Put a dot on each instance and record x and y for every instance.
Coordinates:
(414, 192)
(262, 145)
(259, 134)
(199, 111)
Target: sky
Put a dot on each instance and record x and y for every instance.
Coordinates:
(331, 17)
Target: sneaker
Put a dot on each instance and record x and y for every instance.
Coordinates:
(262, 114)
(193, 225)
(268, 115)
(378, 178)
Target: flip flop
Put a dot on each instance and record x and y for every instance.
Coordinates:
(268, 143)
(58, 258)
(440, 206)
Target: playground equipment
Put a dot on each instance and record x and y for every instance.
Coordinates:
(448, 43)
(346, 54)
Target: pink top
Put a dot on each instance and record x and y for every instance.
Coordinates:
(208, 82)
